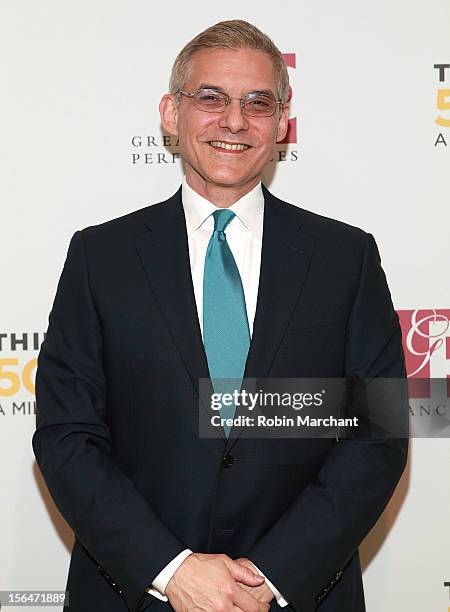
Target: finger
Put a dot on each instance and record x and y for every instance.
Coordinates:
(262, 607)
(243, 574)
(247, 602)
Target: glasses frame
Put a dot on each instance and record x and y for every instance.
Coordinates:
(228, 100)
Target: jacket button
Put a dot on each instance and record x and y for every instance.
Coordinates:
(227, 461)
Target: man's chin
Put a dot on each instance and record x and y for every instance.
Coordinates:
(224, 177)
(229, 179)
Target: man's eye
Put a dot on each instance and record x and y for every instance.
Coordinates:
(209, 98)
(260, 102)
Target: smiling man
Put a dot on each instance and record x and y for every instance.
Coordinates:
(242, 100)
(221, 281)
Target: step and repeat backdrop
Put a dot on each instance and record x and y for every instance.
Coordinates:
(369, 144)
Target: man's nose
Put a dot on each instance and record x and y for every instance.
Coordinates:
(233, 117)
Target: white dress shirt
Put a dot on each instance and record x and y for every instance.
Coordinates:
(244, 237)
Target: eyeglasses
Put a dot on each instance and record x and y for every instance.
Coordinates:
(254, 104)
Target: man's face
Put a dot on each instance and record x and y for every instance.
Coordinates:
(236, 72)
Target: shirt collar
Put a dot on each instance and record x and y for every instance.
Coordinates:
(249, 209)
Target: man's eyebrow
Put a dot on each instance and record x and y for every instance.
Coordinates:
(265, 92)
(206, 86)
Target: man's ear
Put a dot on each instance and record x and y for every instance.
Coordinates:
(283, 123)
(168, 111)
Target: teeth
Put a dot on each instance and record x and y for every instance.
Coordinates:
(230, 147)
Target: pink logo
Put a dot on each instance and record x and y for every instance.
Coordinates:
(426, 343)
(291, 136)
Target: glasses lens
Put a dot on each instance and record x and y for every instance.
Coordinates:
(210, 100)
(259, 105)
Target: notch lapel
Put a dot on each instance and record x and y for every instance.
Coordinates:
(164, 254)
(285, 258)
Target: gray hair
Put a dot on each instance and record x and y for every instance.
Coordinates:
(233, 34)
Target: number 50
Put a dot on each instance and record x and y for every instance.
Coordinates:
(14, 379)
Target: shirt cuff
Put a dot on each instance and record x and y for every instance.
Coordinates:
(280, 599)
(159, 584)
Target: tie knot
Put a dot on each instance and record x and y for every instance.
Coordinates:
(222, 217)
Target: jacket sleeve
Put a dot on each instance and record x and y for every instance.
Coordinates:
(305, 552)
(72, 445)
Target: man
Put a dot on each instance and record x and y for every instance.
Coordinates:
(221, 280)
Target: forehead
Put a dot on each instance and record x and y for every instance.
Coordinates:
(236, 71)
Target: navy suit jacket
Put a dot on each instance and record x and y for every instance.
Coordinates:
(117, 411)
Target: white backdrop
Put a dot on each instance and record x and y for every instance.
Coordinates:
(80, 85)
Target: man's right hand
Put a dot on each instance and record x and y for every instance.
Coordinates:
(209, 583)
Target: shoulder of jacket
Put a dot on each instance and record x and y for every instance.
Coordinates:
(318, 225)
(131, 223)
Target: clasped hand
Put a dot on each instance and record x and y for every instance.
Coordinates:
(217, 583)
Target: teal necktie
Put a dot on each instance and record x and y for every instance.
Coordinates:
(226, 332)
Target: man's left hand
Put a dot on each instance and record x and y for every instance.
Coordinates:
(261, 592)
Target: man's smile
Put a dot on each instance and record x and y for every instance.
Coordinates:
(229, 147)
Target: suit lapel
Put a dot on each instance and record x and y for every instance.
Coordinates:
(164, 254)
(285, 257)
